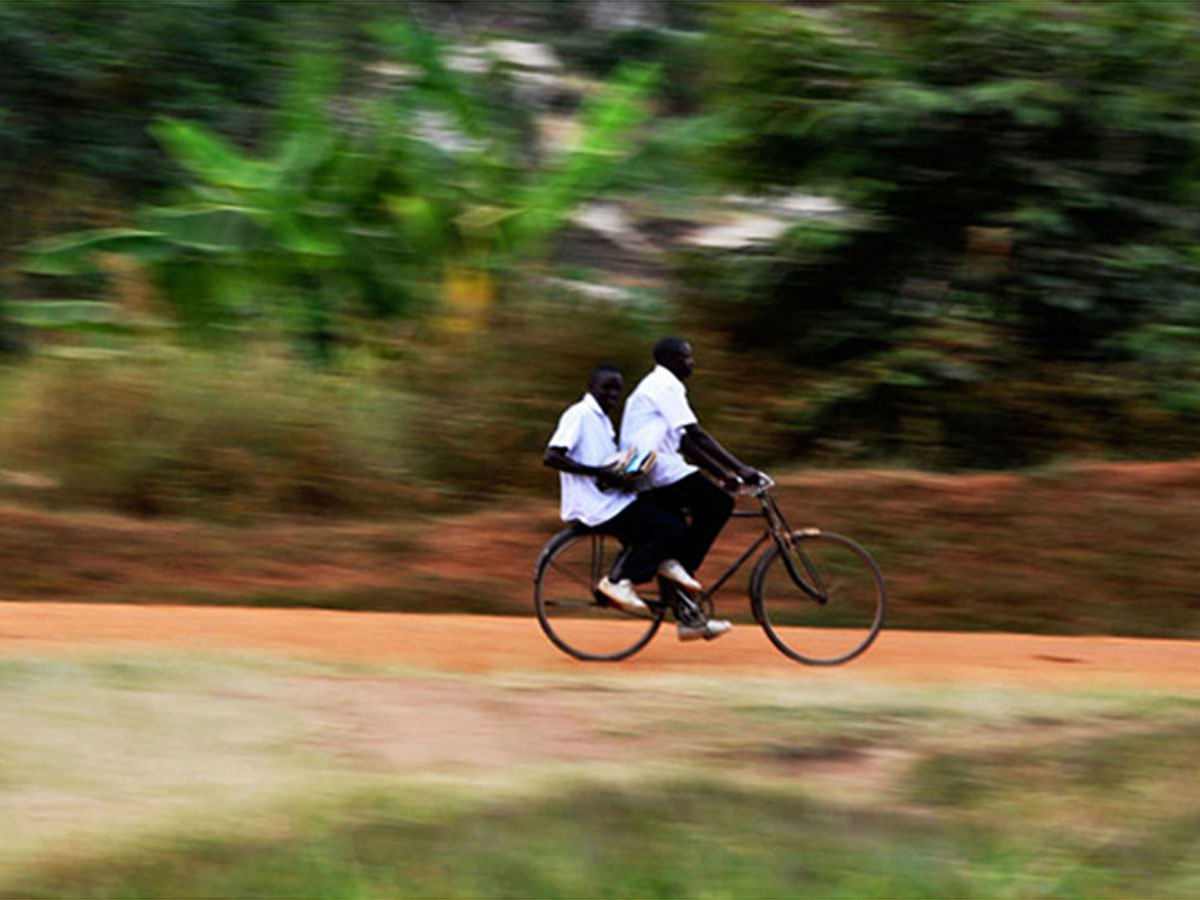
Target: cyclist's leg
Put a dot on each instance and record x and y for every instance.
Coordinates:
(710, 509)
(652, 533)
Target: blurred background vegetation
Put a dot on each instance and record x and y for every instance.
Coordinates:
(322, 270)
(267, 258)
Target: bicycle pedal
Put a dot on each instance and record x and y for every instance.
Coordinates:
(688, 613)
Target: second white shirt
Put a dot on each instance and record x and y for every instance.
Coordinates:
(656, 414)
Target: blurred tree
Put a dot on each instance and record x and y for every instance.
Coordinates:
(80, 81)
(1027, 170)
(419, 192)
(1044, 154)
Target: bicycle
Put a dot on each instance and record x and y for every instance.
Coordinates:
(810, 588)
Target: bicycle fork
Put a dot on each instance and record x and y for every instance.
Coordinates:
(791, 551)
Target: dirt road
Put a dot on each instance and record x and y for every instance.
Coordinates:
(485, 644)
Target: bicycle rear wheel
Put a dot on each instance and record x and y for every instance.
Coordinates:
(822, 601)
(577, 619)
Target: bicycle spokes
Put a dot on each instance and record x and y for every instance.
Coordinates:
(574, 576)
(835, 572)
(574, 615)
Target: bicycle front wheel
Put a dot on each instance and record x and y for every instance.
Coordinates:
(821, 601)
(577, 619)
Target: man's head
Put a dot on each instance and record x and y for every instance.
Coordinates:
(605, 384)
(675, 354)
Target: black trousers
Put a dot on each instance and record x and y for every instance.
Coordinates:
(709, 506)
(652, 534)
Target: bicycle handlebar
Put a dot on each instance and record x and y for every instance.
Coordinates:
(765, 483)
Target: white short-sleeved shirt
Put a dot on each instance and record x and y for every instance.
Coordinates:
(588, 435)
(656, 414)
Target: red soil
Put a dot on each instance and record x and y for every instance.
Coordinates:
(481, 644)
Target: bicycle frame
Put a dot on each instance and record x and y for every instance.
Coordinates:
(777, 527)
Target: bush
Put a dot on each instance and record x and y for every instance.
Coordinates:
(224, 436)
(461, 417)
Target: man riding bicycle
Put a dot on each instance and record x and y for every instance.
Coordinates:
(658, 417)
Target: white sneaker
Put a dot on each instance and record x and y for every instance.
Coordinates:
(673, 570)
(710, 630)
(622, 594)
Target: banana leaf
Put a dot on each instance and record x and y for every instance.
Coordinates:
(303, 133)
(206, 154)
(207, 227)
(66, 315)
(304, 236)
(72, 254)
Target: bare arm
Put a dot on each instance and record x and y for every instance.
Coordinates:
(556, 458)
(707, 452)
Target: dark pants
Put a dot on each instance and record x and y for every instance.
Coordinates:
(652, 534)
(710, 508)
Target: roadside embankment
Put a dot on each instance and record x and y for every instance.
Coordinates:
(1086, 549)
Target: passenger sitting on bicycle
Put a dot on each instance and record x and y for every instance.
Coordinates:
(658, 417)
(596, 496)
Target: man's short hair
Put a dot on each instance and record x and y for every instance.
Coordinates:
(668, 348)
(601, 369)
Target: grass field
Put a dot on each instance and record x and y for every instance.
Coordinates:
(218, 776)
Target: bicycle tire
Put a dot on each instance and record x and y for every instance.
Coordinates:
(574, 617)
(784, 594)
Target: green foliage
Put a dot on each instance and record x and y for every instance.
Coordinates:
(218, 433)
(80, 83)
(73, 254)
(607, 123)
(107, 70)
(335, 221)
(64, 314)
(940, 117)
(1014, 276)
(1028, 166)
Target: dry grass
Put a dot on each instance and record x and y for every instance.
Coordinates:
(234, 438)
(155, 776)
